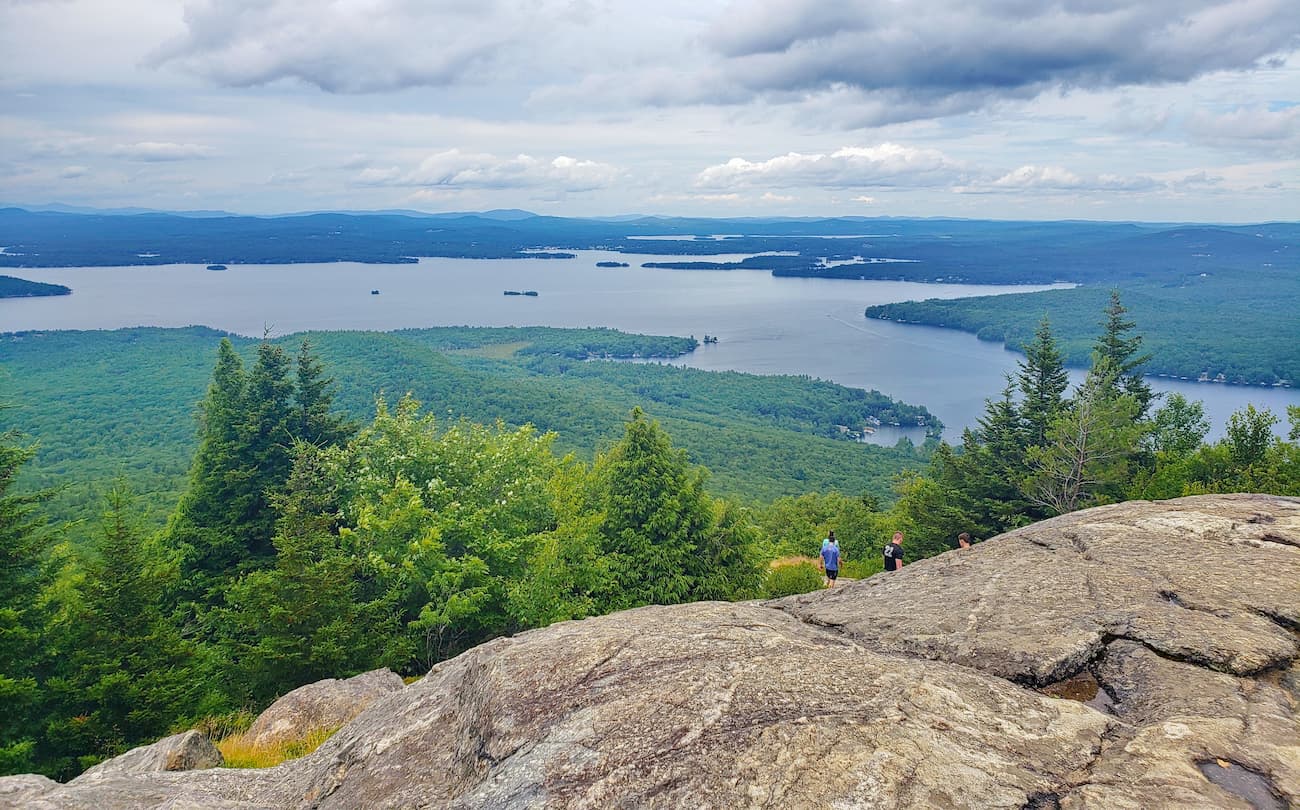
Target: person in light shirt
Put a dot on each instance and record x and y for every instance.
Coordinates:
(831, 560)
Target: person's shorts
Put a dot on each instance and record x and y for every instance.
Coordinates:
(832, 573)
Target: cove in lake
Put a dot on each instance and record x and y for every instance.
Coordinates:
(765, 324)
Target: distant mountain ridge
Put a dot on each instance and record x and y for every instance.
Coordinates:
(966, 251)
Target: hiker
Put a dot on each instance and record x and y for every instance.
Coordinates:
(963, 540)
(894, 553)
(830, 560)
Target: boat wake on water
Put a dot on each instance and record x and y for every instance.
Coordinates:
(862, 329)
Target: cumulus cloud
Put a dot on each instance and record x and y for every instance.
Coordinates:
(959, 54)
(894, 166)
(886, 165)
(161, 151)
(353, 47)
(455, 168)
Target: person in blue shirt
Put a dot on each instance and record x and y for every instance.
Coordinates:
(831, 559)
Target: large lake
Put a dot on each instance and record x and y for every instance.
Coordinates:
(765, 324)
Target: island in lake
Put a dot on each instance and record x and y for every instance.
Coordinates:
(612, 264)
(11, 287)
(531, 293)
(217, 267)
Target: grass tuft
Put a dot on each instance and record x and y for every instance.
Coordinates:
(220, 726)
(239, 751)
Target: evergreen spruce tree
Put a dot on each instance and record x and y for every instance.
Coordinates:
(266, 448)
(1000, 430)
(313, 420)
(201, 529)
(300, 621)
(1120, 350)
(127, 675)
(997, 472)
(22, 578)
(726, 562)
(224, 522)
(1042, 381)
(656, 515)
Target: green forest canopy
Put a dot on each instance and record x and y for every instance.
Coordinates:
(105, 403)
(1241, 324)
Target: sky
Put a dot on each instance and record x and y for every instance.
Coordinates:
(1153, 110)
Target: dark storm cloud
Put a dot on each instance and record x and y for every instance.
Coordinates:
(921, 53)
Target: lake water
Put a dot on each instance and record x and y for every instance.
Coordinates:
(765, 324)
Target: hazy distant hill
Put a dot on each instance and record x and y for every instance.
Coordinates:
(969, 251)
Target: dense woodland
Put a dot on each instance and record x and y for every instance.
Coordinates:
(11, 287)
(1239, 325)
(307, 542)
(121, 402)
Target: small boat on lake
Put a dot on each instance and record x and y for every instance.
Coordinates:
(374, 292)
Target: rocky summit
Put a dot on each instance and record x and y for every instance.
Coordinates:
(1142, 655)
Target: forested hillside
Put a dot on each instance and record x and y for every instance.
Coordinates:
(307, 540)
(123, 402)
(1241, 323)
(952, 250)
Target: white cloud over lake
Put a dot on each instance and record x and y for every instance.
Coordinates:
(888, 164)
(455, 168)
(1005, 108)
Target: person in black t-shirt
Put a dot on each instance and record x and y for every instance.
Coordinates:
(894, 553)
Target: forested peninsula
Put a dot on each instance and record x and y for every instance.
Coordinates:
(11, 287)
(1232, 327)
